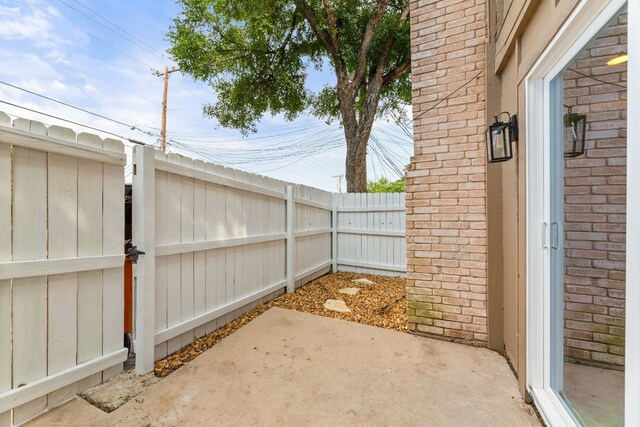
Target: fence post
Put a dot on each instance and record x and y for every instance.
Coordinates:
(291, 239)
(334, 232)
(143, 230)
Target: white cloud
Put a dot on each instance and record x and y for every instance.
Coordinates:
(34, 25)
(58, 85)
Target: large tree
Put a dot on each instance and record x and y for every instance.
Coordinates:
(256, 55)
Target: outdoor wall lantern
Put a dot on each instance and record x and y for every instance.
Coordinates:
(500, 137)
(575, 126)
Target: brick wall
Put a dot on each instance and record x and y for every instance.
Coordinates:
(446, 180)
(595, 206)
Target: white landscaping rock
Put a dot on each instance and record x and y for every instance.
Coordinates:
(364, 281)
(336, 305)
(349, 291)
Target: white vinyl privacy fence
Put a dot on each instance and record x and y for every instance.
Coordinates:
(219, 241)
(370, 233)
(61, 265)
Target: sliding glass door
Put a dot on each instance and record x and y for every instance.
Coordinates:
(582, 277)
(588, 112)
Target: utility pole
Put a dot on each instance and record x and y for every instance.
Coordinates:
(339, 182)
(163, 131)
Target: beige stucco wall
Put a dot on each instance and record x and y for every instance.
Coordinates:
(528, 28)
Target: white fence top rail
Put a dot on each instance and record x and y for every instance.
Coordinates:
(19, 138)
(165, 166)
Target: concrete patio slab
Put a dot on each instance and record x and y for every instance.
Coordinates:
(596, 394)
(292, 368)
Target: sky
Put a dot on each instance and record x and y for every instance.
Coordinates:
(99, 55)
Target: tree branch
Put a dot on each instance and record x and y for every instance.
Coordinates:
(405, 13)
(372, 95)
(331, 20)
(398, 71)
(367, 38)
(322, 34)
(326, 38)
(287, 39)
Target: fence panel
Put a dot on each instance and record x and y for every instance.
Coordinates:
(5, 256)
(61, 265)
(371, 233)
(225, 241)
(218, 238)
(313, 230)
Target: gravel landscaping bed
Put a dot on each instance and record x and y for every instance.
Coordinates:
(381, 304)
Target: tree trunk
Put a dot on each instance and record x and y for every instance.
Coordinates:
(357, 128)
(356, 164)
(357, 134)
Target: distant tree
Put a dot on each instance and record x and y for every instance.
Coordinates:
(256, 54)
(383, 185)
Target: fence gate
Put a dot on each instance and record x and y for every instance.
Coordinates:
(217, 243)
(61, 265)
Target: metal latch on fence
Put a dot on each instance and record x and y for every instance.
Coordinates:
(133, 253)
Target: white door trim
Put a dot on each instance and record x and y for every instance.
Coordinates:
(581, 26)
(632, 359)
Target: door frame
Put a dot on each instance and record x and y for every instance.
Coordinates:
(581, 26)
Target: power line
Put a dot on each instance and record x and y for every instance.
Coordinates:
(324, 167)
(395, 140)
(118, 27)
(193, 150)
(132, 127)
(133, 141)
(117, 49)
(296, 161)
(487, 65)
(289, 129)
(597, 79)
(373, 165)
(124, 38)
(278, 144)
(104, 26)
(384, 156)
(104, 42)
(121, 52)
(64, 103)
(279, 151)
(376, 155)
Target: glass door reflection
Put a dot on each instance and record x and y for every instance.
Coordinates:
(588, 229)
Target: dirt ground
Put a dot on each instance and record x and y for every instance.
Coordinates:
(382, 304)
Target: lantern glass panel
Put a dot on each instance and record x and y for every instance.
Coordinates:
(574, 134)
(498, 143)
